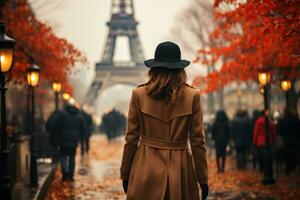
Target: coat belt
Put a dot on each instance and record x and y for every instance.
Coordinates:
(163, 144)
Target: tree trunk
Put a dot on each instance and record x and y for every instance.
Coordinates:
(210, 103)
(221, 99)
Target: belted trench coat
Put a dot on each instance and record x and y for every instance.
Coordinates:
(165, 152)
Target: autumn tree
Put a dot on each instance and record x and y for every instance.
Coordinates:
(268, 39)
(36, 44)
(36, 41)
(192, 29)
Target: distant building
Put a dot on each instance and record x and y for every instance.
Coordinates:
(245, 96)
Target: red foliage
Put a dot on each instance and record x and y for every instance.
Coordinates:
(68, 88)
(36, 40)
(255, 35)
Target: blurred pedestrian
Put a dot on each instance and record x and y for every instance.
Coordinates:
(53, 128)
(156, 161)
(85, 140)
(113, 124)
(259, 136)
(68, 126)
(241, 134)
(220, 135)
(289, 130)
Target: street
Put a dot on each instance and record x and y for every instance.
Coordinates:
(71, 70)
(97, 177)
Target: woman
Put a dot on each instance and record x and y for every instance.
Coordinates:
(164, 114)
(220, 134)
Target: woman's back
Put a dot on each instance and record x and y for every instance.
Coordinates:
(162, 159)
(163, 114)
(164, 119)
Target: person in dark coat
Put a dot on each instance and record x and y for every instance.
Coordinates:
(289, 130)
(85, 140)
(69, 127)
(220, 135)
(52, 128)
(113, 124)
(241, 134)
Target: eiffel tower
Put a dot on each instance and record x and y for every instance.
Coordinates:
(108, 72)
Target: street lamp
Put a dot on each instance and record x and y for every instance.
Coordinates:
(33, 76)
(6, 57)
(264, 78)
(56, 87)
(66, 96)
(286, 85)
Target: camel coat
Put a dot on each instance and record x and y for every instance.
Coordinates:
(156, 158)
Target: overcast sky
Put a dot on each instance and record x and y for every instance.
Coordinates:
(83, 23)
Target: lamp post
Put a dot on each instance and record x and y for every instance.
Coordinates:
(286, 86)
(264, 78)
(56, 87)
(6, 57)
(33, 76)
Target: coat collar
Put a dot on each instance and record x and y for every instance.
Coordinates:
(162, 110)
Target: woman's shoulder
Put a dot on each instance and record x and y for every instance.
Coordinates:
(142, 85)
(192, 91)
(139, 90)
(191, 88)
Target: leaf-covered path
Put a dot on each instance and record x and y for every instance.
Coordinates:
(97, 178)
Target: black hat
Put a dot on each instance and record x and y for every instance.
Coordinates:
(167, 55)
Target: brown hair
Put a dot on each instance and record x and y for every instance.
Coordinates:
(166, 84)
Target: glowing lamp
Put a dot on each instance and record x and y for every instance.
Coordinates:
(6, 50)
(66, 96)
(56, 86)
(33, 75)
(264, 78)
(285, 85)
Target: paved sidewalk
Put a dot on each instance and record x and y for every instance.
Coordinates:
(22, 191)
(98, 178)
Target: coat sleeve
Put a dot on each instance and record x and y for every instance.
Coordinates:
(197, 141)
(131, 138)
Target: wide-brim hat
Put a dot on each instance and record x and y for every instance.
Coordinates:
(167, 55)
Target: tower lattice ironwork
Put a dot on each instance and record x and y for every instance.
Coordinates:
(109, 72)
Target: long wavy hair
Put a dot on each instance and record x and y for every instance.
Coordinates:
(166, 84)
